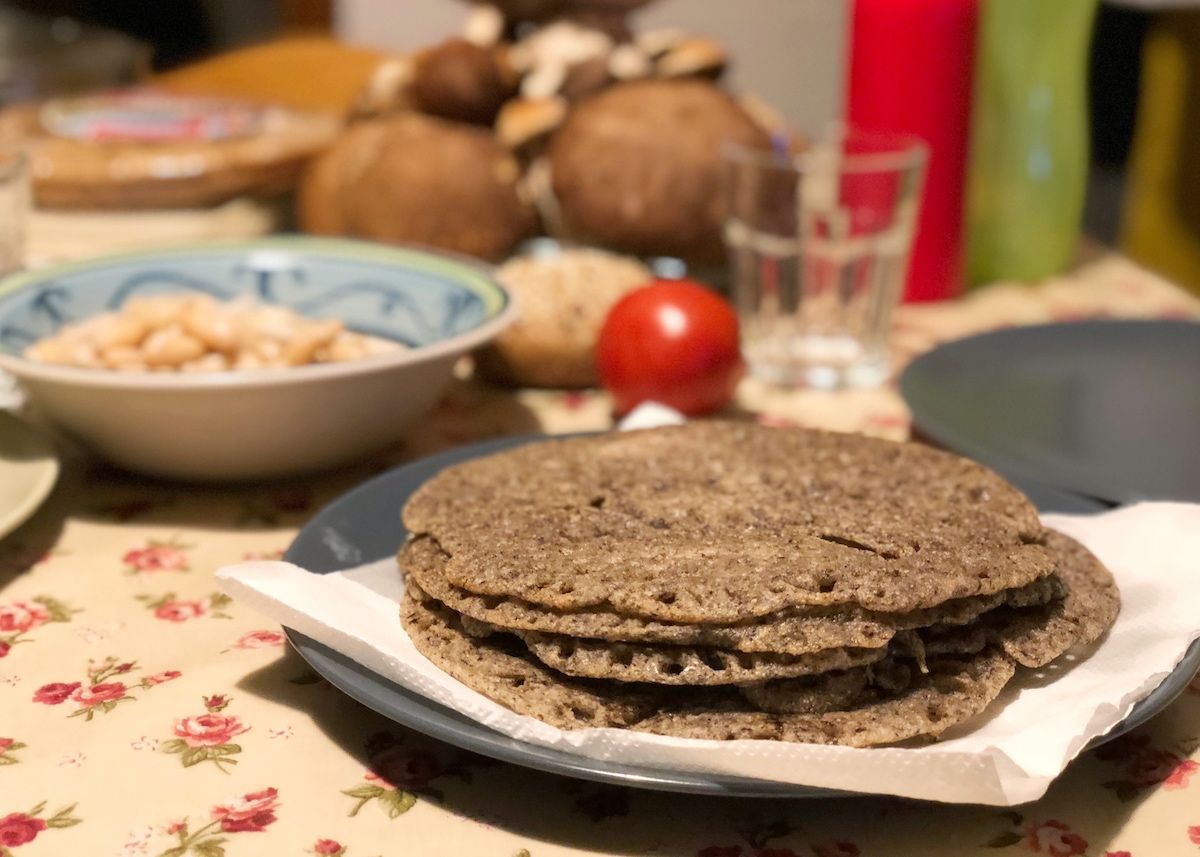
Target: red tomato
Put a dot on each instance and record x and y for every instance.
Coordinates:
(674, 342)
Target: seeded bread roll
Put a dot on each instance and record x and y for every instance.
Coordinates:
(563, 300)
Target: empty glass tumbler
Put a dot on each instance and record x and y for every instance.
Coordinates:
(818, 247)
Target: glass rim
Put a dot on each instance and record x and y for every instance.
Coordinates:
(905, 152)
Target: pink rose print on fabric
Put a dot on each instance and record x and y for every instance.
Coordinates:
(397, 773)
(179, 611)
(207, 737)
(217, 702)
(328, 848)
(1181, 774)
(21, 828)
(22, 616)
(8, 746)
(19, 618)
(398, 768)
(1145, 766)
(17, 828)
(172, 609)
(251, 813)
(157, 556)
(100, 694)
(1054, 838)
(1194, 834)
(208, 730)
(55, 693)
(259, 640)
(159, 678)
(1151, 767)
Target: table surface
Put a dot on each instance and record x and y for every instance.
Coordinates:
(142, 713)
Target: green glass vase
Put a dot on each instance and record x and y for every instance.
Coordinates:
(1028, 164)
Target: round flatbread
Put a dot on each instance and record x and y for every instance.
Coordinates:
(717, 522)
(795, 631)
(1035, 636)
(953, 691)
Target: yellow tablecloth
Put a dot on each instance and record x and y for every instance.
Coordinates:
(141, 713)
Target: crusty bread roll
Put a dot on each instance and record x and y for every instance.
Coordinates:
(637, 168)
(416, 179)
(563, 300)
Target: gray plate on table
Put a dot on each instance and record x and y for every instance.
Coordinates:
(1108, 409)
(364, 525)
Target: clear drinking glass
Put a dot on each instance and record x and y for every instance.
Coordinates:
(818, 251)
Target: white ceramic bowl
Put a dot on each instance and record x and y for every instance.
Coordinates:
(243, 425)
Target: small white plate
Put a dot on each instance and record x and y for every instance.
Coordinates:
(28, 470)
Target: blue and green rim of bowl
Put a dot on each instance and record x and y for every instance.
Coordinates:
(471, 273)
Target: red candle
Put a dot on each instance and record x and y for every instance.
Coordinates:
(910, 72)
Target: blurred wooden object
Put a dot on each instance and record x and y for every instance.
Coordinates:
(310, 71)
(1161, 226)
(62, 236)
(306, 15)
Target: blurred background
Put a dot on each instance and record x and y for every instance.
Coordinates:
(1141, 77)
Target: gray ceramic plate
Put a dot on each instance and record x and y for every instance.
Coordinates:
(1109, 409)
(364, 525)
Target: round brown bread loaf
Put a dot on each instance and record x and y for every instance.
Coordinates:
(320, 197)
(416, 179)
(638, 167)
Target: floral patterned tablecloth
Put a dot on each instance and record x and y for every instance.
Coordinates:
(143, 713)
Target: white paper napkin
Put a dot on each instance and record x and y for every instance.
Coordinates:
(1029, 735)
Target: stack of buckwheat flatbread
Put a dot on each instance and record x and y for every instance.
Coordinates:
(727, 580)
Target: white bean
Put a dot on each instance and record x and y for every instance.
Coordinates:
(171, 346)
(195, 333)
(346, 348)
(125, 357)
(207, 363)
(155, 312)
(212, 326)
(118, 330)
(301, 348)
